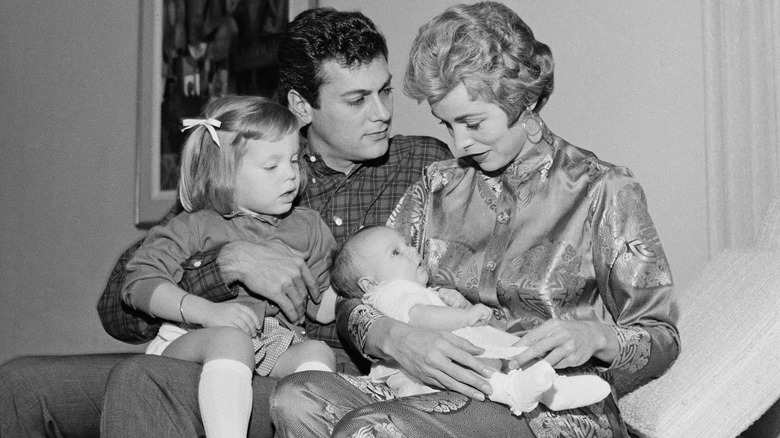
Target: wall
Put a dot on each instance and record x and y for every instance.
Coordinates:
(67, 153)
(629, 86)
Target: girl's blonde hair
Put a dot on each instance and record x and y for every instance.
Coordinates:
(208, 171)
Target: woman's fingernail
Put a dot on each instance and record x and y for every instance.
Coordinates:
(479, 396)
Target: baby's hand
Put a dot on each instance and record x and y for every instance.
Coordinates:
(453, 298)
(233, 315)
(479, 314)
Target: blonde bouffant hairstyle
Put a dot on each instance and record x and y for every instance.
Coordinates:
(487, 47)
(208, 171)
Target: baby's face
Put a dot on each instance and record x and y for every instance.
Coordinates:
(387, 257)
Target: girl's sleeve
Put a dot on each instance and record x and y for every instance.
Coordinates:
(634, 280)
(323, 245)
(159, 259)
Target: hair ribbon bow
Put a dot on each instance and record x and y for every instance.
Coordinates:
(209, 124)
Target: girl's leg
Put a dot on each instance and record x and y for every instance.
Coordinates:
(305, 356)
(225, 388)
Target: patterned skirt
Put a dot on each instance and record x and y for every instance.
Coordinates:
(274, 340)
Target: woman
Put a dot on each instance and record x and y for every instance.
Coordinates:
(557, 242)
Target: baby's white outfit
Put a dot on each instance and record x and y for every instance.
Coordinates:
(397, 297)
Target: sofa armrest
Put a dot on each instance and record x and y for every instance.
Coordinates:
(726, 374)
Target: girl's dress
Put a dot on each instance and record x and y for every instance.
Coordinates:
(167, 248)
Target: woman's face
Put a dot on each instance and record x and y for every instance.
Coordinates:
(479, 129)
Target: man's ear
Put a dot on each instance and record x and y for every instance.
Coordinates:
(366, 285)
(300, 107)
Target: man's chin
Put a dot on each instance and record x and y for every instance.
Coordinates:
(375, 149)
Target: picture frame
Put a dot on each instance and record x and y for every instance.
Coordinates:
(234, 52)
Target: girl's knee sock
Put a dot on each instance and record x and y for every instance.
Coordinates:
(313, 366)
(225, 398)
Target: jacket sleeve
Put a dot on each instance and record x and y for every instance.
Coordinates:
(634, 281)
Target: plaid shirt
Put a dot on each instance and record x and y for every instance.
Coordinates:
(365, 197)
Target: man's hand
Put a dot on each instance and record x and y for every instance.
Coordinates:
(437, 358)
(272, 270)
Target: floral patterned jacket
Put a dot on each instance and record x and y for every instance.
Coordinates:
(557, 234)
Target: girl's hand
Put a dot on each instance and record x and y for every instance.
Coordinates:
(567, 343)
(232, 315)
(479, 314)
(453, 298)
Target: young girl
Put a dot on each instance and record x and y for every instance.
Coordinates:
(240, 175)
(377, 266)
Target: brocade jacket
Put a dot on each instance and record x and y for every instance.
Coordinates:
(556, 234)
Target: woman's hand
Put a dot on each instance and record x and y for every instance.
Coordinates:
(453, 298)
(231, 315)
(567, 343)
(437, 358)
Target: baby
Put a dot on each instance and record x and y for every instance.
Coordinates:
(377, 266)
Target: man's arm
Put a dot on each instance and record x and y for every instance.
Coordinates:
(269, 270)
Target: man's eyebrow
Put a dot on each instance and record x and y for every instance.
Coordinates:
(364, 91)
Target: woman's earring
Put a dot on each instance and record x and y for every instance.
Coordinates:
(533, 127)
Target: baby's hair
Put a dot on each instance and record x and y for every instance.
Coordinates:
(208, 171)
(346, 268)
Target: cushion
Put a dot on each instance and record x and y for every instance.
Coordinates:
(769, 236)
(727, 373)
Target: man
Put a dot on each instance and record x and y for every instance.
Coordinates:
(334, 68)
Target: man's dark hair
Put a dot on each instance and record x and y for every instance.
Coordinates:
(324, 34)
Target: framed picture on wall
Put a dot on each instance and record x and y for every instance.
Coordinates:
(192, 51)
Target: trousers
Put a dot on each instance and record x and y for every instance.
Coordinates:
(111, 395)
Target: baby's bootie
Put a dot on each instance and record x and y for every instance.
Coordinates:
(521, 390)
(569, 392)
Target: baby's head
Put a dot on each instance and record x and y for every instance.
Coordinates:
(372, 256)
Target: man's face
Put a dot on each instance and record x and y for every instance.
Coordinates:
(352, 124)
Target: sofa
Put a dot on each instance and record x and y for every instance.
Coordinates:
(726, 380)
